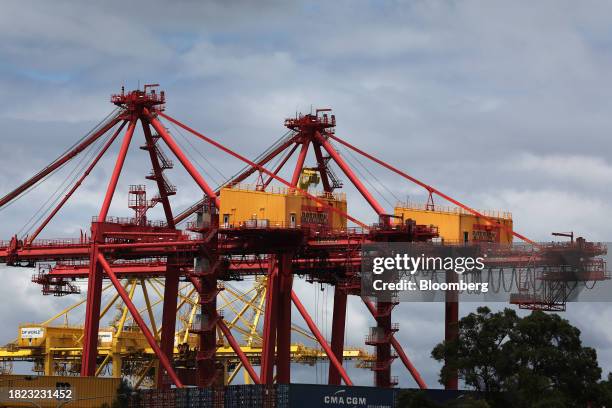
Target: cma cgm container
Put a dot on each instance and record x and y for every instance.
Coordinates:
(326, 396)
(456, 225)
(244, 206)
(84, 392)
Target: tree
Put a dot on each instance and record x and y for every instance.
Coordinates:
(534, 361)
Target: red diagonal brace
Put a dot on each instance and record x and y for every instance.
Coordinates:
(161, 130)
(315, 331)
(236, 347)
(231, 339)
(263, 170)
(281, 165)
(112, 185)
(300, 162)
(270, 321)
(163, 359)
(349, 173)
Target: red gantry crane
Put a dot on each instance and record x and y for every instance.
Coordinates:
(212, 250)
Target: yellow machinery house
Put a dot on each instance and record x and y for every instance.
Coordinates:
(245, 206)
(456, 225)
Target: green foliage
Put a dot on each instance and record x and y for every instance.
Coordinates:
(124, 393)
(415, 399)
(537, 361)
(419, 399)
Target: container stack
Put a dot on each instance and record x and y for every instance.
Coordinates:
(245, 396)
(282, 395)
(193, 397)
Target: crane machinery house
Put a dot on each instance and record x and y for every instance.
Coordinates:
(456, 225)
(245, 206)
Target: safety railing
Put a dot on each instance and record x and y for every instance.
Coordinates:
(280, 190)
(408, 205)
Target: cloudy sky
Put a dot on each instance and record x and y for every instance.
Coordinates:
(502, 105)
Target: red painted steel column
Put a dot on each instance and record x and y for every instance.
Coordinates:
(382, 373)
(349, 173)
(161, 130)
(321, 165)
(163, 358)
(451, 324)
(338, 330)
(400, 351)
(300, 162)
(206, 363)
(94, 283)
(315, 331)
(230, 338)
(269, 329)
(168, 331)
(112, 185)
(283, 349)
(92, 308)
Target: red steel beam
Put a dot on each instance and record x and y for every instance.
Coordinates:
(349, 173)
(163, 358)
(187, 242)
(236, 347)
(92, 311)
(193, 172)
(193, 208)
(269, 328)
(400, 351)
(77, 184)
(168, 331)
(281, 165)
(157, 170)
(300, 162)
(264, 160)
(430, 188)
(451, 325)
(283, 326)
(94, 283)
(321, 165)
(112, 185)
(58, 162)
(263, 169)
(315, 331)
(338, 332)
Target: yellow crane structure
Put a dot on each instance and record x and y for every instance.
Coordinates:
(55, 345)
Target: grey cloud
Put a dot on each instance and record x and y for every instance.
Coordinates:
(499, 104)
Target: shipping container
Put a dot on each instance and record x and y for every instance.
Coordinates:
(84, 392)
(314, 396)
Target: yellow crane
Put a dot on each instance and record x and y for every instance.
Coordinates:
(55, 345)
